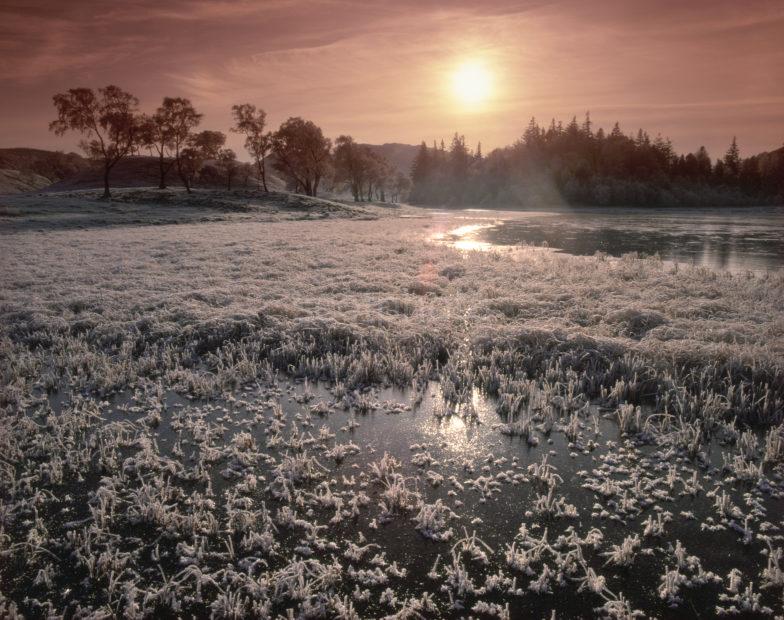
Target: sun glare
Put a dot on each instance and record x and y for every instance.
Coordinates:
(472, 82)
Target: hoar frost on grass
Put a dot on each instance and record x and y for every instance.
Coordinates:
(145, 445)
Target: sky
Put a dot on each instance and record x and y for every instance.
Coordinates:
(697, 71)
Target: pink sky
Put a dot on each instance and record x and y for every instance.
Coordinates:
(696, 71)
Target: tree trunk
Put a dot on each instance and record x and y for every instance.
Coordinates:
(162, 183)
(263, 175)
(183, 176)
(106, 193)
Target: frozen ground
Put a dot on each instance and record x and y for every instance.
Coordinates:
(257, 415)
(144, 207)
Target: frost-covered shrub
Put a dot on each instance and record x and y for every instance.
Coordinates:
(633, 322)
(397, 306)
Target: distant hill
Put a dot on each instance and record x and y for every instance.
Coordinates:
(30, 169)
(139, 171)
(16, 182)
(772, 159)
(33, 169)
(24, 170)
(399, 155)
(143, 171)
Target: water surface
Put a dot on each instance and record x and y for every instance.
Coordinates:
(750, 239)
(469, 453)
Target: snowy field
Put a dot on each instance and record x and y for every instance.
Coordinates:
(298, 409)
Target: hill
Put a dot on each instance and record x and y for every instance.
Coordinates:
(771, 160)
(34, 169)
(30, 169)
(141, 171)
(15, 181)
(399, 155)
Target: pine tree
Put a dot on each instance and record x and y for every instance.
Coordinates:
(640, 141)
(422, 174)
(573, 129)
(588, 125)
(732, 160)
(552, 132)
(704, 166)
(719, 170)
(458, 155)
(531, 135)
(421, 168)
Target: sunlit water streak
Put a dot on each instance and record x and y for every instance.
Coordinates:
(465, 237)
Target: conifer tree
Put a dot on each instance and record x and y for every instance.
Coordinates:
(732, 160)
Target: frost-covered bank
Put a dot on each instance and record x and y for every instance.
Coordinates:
(148, 436)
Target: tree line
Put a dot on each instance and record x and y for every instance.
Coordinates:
(580, 165)
(113, 128)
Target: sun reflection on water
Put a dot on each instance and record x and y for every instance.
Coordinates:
(462, 437)
(465, 237)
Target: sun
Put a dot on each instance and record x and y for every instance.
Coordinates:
(472, 82)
